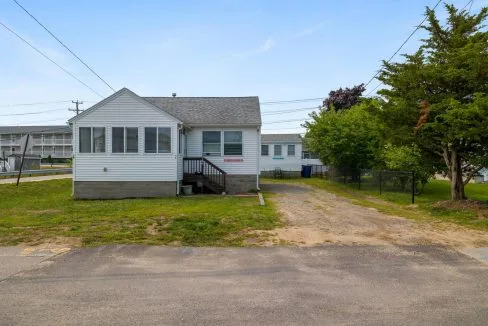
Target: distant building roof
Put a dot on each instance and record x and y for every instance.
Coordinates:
(281, 138)
(211, 110)
(34, 129)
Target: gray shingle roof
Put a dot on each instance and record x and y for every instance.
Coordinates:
(211, 110)
(291, 138)
(33, 129)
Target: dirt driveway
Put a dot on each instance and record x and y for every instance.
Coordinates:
(314, 216)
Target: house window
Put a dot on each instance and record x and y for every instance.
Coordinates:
(309, 155)
(125, 140)
(291, 150)
(264, 150)
(157, 140)
(92, 140)
(211, 143)
(277, 150)
(232, 142)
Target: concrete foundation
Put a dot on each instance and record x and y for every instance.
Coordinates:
(240, 183)
(123, 189)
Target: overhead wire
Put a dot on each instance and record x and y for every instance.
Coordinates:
(48, 58)
(64, 45)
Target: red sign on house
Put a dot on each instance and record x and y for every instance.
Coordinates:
(233, 160)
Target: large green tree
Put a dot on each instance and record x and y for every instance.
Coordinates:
(437, 98)
(346, 139)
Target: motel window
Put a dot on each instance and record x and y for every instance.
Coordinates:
(277, 150)
(157, 140)
(91, 140)
(211, 143)
(125, 140)
(291, 150)
(233, 143)
(264, 150)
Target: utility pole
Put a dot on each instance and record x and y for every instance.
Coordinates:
(77, 110)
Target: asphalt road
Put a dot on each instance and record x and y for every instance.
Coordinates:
(329, 285)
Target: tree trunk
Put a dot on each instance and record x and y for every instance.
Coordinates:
(457, 184)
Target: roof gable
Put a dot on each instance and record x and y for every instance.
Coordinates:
(113, 97)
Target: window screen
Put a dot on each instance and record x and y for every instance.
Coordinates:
(85, 139)
(264, 150)
(164, 140)
(132, 140)
(117, 140)
(99, 140)
(150, 144)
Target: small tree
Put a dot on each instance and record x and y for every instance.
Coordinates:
(50, 160)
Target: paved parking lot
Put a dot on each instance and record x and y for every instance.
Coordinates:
(332, 284)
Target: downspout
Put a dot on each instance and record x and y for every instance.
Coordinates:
(258, 157)
(180, 127)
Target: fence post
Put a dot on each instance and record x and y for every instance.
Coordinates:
(345, 176)
(359, 181)
(413, 187)
(381, 181)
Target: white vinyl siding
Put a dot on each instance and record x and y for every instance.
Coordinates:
(247, 163)
(125, 110)
(287, 163)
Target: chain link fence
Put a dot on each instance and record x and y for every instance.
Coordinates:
(382, 181)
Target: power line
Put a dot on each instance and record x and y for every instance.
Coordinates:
(292, 101)
(283, 121)
(48, 58)
(470, 4)
(30, 113)
(291, 110)
(401, 46)
(64, 45)
(35, 103)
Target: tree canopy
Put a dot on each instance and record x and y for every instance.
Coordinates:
(437, 98)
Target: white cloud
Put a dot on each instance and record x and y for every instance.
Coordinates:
(310, 30)
(267, 45)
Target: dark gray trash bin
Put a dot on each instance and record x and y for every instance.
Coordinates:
(306, 171)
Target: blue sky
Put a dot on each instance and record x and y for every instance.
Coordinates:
(278, 50)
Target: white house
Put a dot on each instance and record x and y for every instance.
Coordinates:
(132, 146)
(285, 152)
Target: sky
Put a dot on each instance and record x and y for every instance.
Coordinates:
(277, 50)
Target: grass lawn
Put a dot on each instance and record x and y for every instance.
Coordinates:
(38, 212)
(426, 205)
